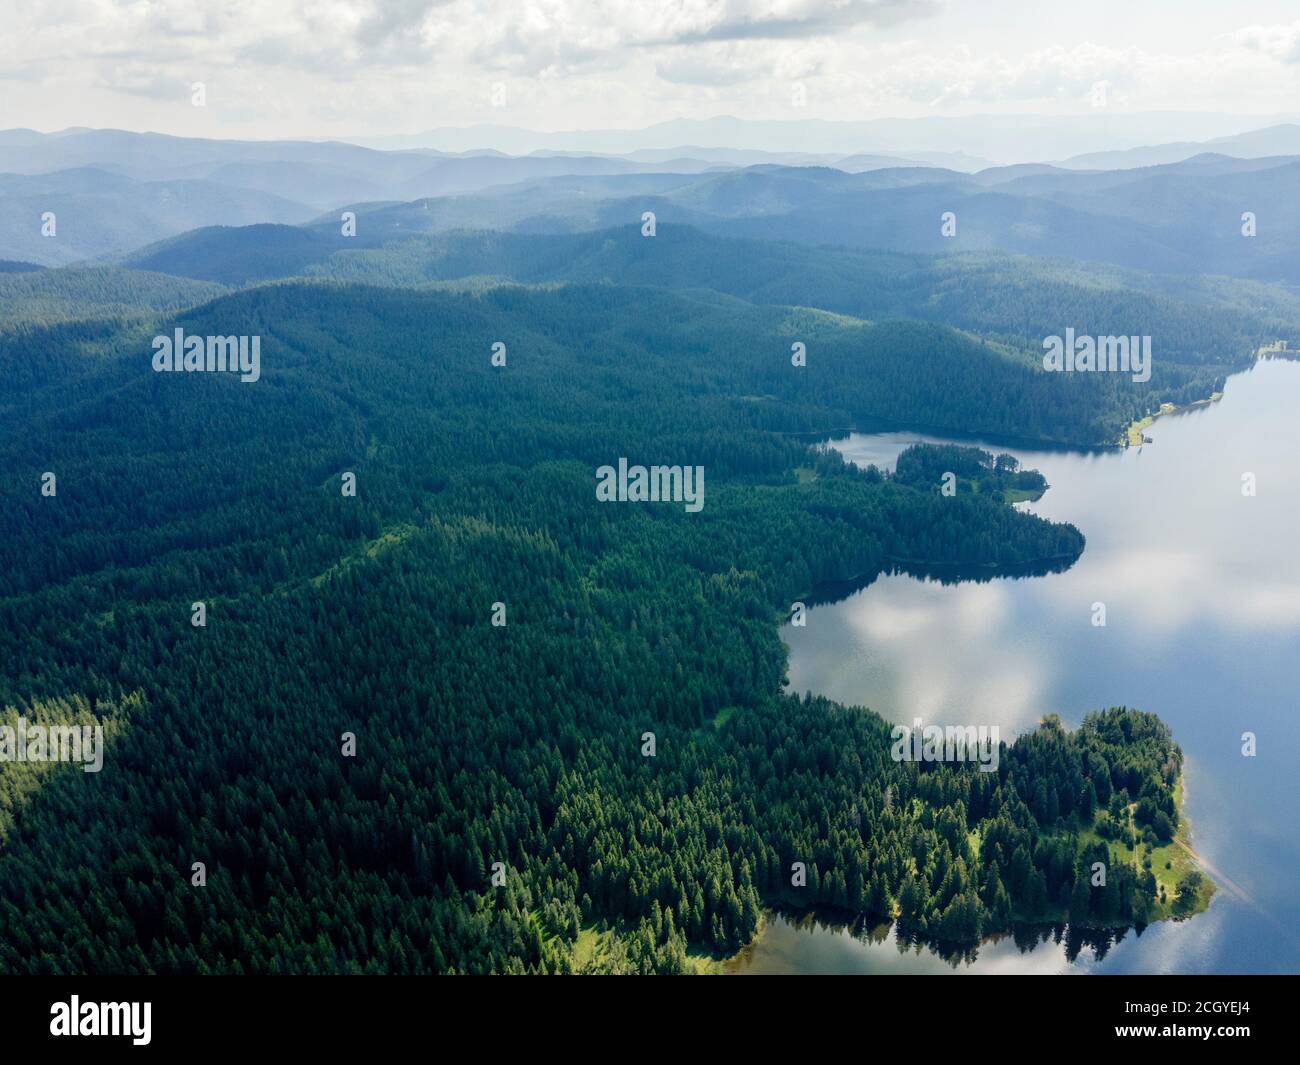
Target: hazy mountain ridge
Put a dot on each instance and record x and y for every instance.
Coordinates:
(997, 138)
(98, 213)
(1182, 217)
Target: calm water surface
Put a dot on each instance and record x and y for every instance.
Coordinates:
(1201, 586)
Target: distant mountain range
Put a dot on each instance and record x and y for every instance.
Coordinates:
(113, 191)
(1182, 218)
(1259, 143)
(995, 138)
(97, 212)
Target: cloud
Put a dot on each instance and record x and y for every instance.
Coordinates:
(735, 20)
(1278, 42)
(306, 65)
(523, 36)
(692, 69)
(141, 79)
(1054, 73)
(737, 62)
(924, 75)
(395, 19)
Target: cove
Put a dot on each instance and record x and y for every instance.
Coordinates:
(1201, 586)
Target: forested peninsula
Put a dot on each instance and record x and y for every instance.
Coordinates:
(499, 643)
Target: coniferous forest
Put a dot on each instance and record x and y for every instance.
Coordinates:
(449, 720)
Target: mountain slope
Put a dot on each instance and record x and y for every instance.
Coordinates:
(334, 617)
(97, 213)
(1013, 299)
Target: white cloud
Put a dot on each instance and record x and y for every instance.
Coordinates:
(1278, 42)
(732, 20)
(306, 67)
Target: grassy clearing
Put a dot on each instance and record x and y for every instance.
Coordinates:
(1009, 495)
(1023, 495)
(723, 716)
(701, 963)
(1135, 434)
(1169, 863)
(592, 946)
(599, 949)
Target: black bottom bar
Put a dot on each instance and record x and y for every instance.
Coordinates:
(362, 1015)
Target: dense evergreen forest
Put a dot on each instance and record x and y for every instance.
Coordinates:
(500, 645)
(1199, 330)
(35, 297)
(1016, 299)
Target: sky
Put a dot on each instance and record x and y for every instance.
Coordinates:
(344, 68)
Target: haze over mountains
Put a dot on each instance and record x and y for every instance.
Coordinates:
(1164, 208)
(996, 138)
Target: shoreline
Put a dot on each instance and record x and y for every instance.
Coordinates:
(1135, 434)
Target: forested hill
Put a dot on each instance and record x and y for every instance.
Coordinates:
(40, 297)
(478, 743)
(1208, 328)
(904, 372)
(1013, 298)
(1016, 299)
(1199, 330)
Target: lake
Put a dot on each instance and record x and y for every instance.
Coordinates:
(1201, 589)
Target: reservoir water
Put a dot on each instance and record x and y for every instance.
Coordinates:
(1201, 588)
